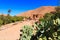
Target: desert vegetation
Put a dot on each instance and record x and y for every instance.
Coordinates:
(47, 28)
(9, 19)
(6, 19)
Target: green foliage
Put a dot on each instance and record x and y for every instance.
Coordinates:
(20, 18)
(27, 32)
(1, 22)
(9, 19)
(48, 16)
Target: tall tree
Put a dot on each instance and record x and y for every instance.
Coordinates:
(9, 11)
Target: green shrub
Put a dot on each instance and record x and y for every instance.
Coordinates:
(10, 19)
(1, 22)
(27, 32)
(20, 18)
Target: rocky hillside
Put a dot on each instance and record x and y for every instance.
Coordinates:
(39, 12)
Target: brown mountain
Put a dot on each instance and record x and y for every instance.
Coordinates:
(39, 12)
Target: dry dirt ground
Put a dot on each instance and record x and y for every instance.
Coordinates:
(12, 31)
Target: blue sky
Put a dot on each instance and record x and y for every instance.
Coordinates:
(18, 6)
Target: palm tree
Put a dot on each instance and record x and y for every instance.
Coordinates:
(8, 15)
(9, 11)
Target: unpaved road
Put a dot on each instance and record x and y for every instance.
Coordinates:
(12, 31)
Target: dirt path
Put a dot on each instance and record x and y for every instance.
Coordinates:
(12, 31)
